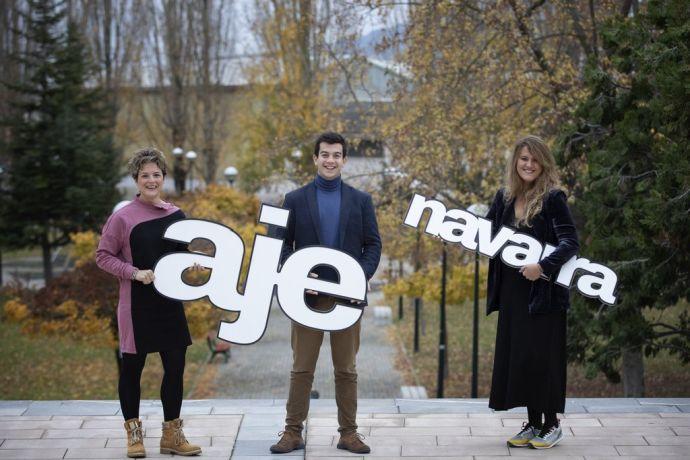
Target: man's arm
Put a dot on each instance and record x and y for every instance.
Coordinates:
(371, 247)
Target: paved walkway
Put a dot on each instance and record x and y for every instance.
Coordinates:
(423, 429)
(262, 370)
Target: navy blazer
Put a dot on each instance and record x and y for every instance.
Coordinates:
(358, 232)
(553, 225)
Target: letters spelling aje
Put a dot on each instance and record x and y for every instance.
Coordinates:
(516, 249)
(264, 274)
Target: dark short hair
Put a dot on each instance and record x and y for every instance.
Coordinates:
(143, 156)
(330, 137)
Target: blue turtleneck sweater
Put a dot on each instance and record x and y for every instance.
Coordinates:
(328, 201)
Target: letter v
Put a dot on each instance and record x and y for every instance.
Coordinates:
(490, 247)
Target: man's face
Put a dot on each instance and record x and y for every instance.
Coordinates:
(330, 160)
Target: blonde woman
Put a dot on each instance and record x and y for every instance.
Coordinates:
(530, 360)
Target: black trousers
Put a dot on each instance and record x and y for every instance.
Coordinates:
(172, 387)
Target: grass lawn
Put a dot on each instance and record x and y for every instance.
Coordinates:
(59, 368)
(665, 376)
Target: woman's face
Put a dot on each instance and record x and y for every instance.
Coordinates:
(150, 182)
(528, 168)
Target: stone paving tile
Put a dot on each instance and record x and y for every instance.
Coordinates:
(330, 451)
(86, 433)
(11, 418)
(73, 408)
(206, 453)
(373, 441)
(333, 421)
(647, 421)
(474, 446)
(249, 448)
(536, 454)
(53, 443)
(654, 451)
(669, 441)
(420, 431)
(21, 434)
(31, 454)
(320, 440)
(223, 441)
(565, 449)
(464, 457)
(452, 422)
(680, 431)
(39, 424)
(621, 430)
(621, 409)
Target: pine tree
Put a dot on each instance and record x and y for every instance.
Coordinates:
(62, 163)
(633, 136)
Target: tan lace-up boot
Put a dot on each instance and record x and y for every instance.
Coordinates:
(174, 442)
(135, 438)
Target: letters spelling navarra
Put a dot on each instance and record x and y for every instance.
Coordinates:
(516, 249)
(263, 276)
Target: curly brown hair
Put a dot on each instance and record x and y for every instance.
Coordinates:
(143, 156)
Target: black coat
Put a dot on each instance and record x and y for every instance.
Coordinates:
(553, 225)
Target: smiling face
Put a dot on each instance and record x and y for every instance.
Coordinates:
(528, 168)
(330, 160)
(150, 182)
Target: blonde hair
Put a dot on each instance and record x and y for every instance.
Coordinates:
(534, 193)
(146, 155)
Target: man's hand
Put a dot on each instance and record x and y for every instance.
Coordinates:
(309, 291)
(531, 271)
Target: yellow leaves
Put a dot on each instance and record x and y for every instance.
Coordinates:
(84, 246)
(70, 319)
(426, 284)
(15, 311)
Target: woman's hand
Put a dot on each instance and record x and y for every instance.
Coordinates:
(145, 276)
(531, 271)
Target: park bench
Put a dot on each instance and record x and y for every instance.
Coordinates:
(217, 347)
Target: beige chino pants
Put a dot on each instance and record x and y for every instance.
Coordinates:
(306, 344)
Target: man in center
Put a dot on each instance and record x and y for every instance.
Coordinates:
(327, 212)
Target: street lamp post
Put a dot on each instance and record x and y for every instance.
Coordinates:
(442, 342)
(178, 170)
(191, 156)
(478, 210)
(230, 174)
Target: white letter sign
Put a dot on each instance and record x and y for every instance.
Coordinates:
(263, 276)
(516, 249)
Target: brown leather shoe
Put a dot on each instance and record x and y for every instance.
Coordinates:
(288, 442)
(353, 442)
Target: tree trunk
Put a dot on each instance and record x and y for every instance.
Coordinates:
(633, 373)
(47, 259)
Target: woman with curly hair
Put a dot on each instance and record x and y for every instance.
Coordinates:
(530, 358)
(131, 243)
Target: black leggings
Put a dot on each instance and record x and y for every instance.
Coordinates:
(172, 389)
(534, 417)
